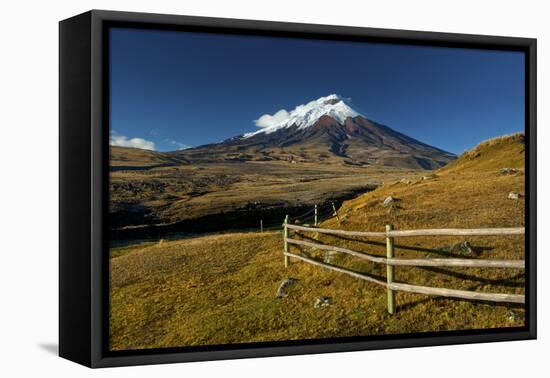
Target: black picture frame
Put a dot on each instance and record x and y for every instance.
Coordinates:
(83, 165)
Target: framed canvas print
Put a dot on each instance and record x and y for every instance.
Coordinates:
(233, 188)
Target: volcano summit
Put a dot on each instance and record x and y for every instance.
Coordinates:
(324, 130)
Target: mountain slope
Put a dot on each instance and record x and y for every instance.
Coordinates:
(327, 130)
(136, 158)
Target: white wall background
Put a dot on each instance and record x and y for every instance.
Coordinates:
(28, 189)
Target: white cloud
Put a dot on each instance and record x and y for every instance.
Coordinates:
(123, 141)
(269, 120)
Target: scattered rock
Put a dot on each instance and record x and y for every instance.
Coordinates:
(511, 316)
(463, 247)
(509, 171)
(388, 201)
(284, 285)
(323, 302)
(406, 181)
(429, 177)
(514, 196)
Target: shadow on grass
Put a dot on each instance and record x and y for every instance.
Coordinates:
(375, 276)
(476, 249)
(505, 282)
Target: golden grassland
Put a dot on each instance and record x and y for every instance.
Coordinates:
(220, 289)
(136, 157)
(168, 194)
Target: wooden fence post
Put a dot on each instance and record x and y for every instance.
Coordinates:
(285, 237)
(335, 214)
(390, 271)
(316, 219)
(262, 226)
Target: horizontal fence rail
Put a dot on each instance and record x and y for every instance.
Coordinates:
(464, 294)
(336, 268)
(470, 263)
(337, 232)
(425, 232)
(459, 232)
(391, 262)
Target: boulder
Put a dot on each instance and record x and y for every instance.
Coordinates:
(463, 247)
(388, 201)
(514, 196)
(284, 285)
(509, 171)
(322, 302)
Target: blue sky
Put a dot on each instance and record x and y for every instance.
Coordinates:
(174, 89)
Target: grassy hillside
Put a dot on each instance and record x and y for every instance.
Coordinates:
(221, 288)
(127, 157)
(469, 192)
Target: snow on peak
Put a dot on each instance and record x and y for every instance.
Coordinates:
(305, 115)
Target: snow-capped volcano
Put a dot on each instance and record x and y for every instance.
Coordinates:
(308, 114)
(328, 131)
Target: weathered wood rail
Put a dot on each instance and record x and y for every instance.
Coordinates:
(471, 263)
(391, 262)
(420, 232)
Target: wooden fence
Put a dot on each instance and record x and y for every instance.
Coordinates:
(391, 262)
